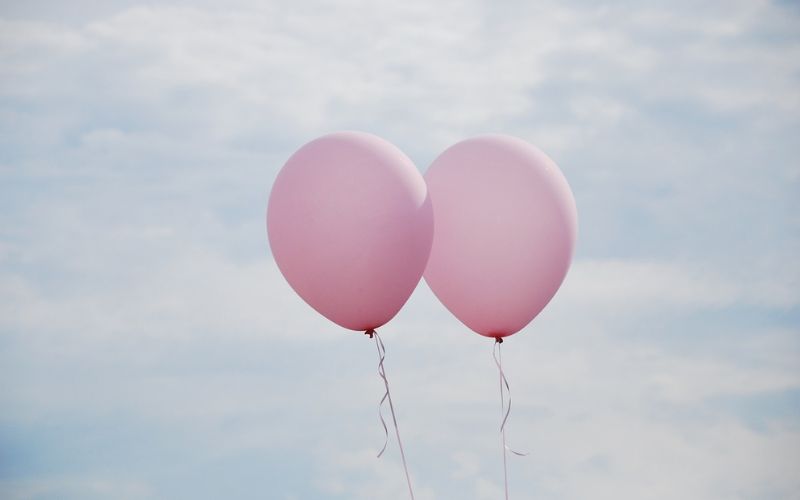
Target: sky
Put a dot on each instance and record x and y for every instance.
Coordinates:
(150, 348)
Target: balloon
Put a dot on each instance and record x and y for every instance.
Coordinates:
(505, 232)
(350, 225)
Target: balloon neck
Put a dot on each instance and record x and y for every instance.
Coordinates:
(370, 332)
(498, 340)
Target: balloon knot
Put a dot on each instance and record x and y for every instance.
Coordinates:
(498, 340)
(370, 333)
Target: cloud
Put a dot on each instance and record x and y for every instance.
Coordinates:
(150, 347)
(653, 285)
(90, 489)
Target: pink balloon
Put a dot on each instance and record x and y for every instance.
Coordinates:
(506, 226)
(350, 225)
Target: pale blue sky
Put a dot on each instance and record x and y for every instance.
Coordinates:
(150, 349)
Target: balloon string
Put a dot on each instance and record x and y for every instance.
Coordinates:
(387, 396)
(504, 411)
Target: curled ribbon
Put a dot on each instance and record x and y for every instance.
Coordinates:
(504, 382)
(387, 396)
(498, 360)
(382, 375)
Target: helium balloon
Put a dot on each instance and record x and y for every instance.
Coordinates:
(505, 232)
(350, 225)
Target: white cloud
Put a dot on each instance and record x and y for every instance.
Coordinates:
(651, 285)
(136, 291)
(77, 486)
